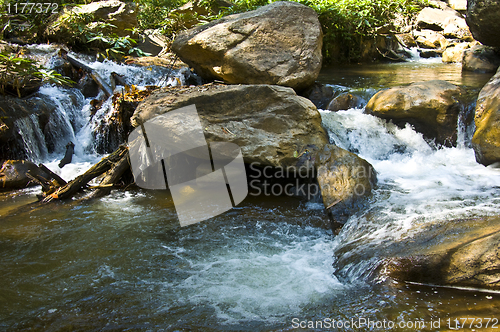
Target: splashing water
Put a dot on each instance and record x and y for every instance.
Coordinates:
(417, 182)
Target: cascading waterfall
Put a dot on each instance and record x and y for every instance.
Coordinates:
(72, 119)
(32, 137)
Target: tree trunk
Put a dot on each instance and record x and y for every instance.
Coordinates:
(70, 189)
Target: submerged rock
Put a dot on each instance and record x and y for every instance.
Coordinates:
(457, 253)
(482, 59)
(482, 19)
(320, 94)
(276, 44)
(344, 101)
(486, 139)
(432, 107)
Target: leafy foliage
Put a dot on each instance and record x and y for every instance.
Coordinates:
(17, 74)
(30, 23)
(89, 34)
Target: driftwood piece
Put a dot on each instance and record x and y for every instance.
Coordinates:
(93, 73)
(59, 181)
(37, 178)
(112, 177)
(79, 182)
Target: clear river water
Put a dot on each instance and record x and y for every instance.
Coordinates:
(123, 263)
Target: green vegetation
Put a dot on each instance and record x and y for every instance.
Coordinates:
(18, 75)
(345, 22)
(86, 34)
(30, 21)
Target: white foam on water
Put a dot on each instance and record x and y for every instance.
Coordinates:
(417, 182)
(262, 275)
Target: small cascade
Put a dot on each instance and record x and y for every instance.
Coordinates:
(418, 183)
(73, 118)
(67, 118)
(32, 137)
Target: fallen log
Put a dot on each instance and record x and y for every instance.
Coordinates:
(74, 186)
(59, 181)
(105, 87)
(112, 177)
(37, 178)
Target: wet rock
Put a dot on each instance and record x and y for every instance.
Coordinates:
(382, 47)
(431, 107)
(344, 101)
(406, 39)
(276, 44)
(13, 174)
(435, 18)
(455, 53)
(482, 59)
(482, 19)
(430, 39)
(269, 123)
(120, 14)
(29, 113)
(274, 128)
(426, 53)
(320, 95)
(486, 139)
(345, 181)
(87, 86)
(457, 253)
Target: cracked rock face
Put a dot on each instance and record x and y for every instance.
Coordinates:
(276, 44)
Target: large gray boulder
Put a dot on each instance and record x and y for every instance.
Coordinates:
(482, 18)
(486, 139)
(276, 130)
(456, 253)
(435, 18)
(276, 44)
(269, 123)
(431, 107)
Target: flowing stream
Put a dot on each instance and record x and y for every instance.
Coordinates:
(123, 262)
